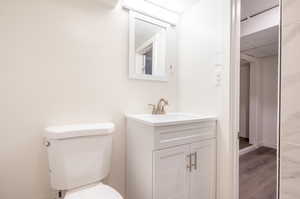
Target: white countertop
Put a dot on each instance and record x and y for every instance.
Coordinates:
(170, 118)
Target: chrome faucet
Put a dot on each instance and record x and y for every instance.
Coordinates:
(160, 108)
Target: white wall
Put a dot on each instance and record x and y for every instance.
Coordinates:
(197, 49)
(263, 101)
(269, 101)
(203, 50)
(61, 62)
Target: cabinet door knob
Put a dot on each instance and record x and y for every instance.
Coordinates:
(194, 164)
(47, 143)
(189, 164)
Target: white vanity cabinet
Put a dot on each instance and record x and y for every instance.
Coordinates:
(171, 159)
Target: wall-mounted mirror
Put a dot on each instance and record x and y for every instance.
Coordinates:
(147, 48)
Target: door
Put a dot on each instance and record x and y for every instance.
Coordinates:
(171, 173)
(203, 175)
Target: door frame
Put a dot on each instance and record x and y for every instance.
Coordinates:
(234, 91)
(234, 85)
(228, 119)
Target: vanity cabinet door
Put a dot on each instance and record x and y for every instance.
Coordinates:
(203, 175)
(171, 175)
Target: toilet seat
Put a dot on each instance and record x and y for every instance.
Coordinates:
(98, 191)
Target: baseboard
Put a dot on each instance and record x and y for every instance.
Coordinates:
(259, 144)
(248, 149)
(269, 145)
(254, 147)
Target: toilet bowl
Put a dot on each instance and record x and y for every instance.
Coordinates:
(97, 191)
(79, 159)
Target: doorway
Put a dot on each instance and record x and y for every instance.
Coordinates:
(258, 106)
(244, 135)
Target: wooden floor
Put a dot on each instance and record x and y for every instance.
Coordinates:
(258, 174)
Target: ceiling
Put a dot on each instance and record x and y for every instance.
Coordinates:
(250, 7)
(243, 62)
(263, 43)
(178, 6)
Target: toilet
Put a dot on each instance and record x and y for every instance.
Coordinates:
(79, 158)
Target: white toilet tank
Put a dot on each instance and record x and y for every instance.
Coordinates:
(79, 154)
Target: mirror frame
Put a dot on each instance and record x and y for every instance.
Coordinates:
(132, 68)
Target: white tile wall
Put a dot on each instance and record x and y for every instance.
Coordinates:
(290, 175)
(290, 101)
(290, 11)
(290, 114)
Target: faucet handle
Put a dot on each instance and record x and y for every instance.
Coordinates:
(167, 102)
(163, 100)
(163, 108)
(153, 108)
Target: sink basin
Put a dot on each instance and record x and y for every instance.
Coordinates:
(170, 118)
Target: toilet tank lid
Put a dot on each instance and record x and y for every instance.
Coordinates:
(79, 130)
